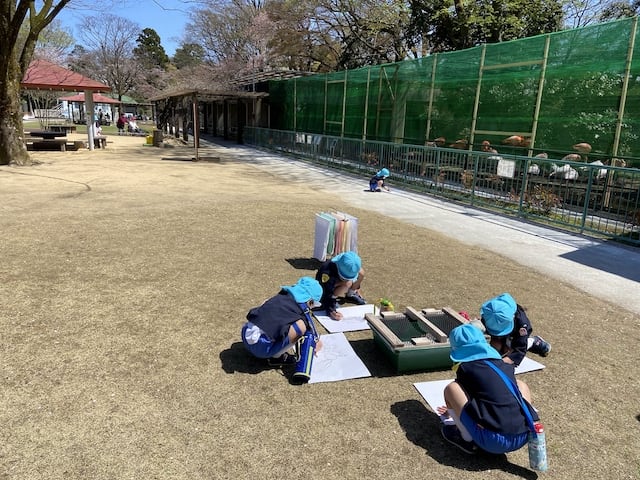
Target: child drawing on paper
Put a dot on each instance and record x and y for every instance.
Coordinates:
(510, 329)
(273, 328)
(376, 183)
(340, 277)
(490, 409)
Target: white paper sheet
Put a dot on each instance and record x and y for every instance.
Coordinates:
(528, 365)
(337, 361)
(352, 319)
(433, 392)
(321, 237)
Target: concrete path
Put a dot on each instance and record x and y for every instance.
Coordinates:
(603, 269)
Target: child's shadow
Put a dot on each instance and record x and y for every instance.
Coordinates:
(422, 428)
(237, 359)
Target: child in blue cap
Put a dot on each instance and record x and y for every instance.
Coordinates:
(273, 328)
(511, 329)
(376, 184)
(340, 277)
(486, 412)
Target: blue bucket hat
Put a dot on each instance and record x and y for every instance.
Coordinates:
(306, 289)
(349, 264)
(383, 173)
(468, 344)
(497, 314)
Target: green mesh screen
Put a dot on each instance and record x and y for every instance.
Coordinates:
(558, 89)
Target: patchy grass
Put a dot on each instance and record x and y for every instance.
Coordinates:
(126, 279)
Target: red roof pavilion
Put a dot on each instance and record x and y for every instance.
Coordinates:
(97, 98)
(44, 75)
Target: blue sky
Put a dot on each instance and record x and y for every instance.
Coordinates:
(167, 17)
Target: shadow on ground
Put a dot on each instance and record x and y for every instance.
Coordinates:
(375, 360)
(237, 359)
(304, 263)
(608, 257)
(422, 428)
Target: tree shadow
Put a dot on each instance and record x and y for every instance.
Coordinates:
(304, 263)
(422, 427)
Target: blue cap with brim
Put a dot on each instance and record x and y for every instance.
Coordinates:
(349, 264)
(384, 172)
(305, 289)
(468, 344)
(497, 315)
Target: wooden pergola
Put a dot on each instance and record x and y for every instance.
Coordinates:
(195, 97)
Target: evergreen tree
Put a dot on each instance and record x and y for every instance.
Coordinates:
(188, 55)
(150, 51)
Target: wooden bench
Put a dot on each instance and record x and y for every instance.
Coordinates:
(49, 144)
(76, 145)
(100, 141)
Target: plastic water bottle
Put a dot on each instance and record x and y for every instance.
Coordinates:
(538, 449)
(306, 351)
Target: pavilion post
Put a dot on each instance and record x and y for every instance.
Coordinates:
(88, 99)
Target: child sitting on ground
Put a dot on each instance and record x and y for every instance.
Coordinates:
(376, 184)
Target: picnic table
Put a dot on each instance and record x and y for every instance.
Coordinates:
(63, 128)
(47, 134)
(49, 140)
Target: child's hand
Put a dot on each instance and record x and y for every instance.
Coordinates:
(335, 315)
(318, 347)
(443, 411)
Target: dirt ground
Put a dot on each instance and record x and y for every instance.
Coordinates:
(126, 274)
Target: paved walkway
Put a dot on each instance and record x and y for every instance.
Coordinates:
(603, 269)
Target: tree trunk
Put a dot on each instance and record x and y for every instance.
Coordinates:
(12, 146)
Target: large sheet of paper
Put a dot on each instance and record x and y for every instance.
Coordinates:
(352, 319)
(433, 392)
(351, 241)
(335, 232)
(337, 361)
(323, 237)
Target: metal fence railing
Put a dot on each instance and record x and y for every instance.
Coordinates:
(590, 198)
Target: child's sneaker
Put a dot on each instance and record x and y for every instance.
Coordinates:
(452, 435)
(284, 360)
(540, 347)
(355, 297)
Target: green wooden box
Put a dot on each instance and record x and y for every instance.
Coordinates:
(415, 340)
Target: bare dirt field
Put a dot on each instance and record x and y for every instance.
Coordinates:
(126, 274)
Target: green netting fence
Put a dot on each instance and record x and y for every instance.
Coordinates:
(580, 197)
(553, 91)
